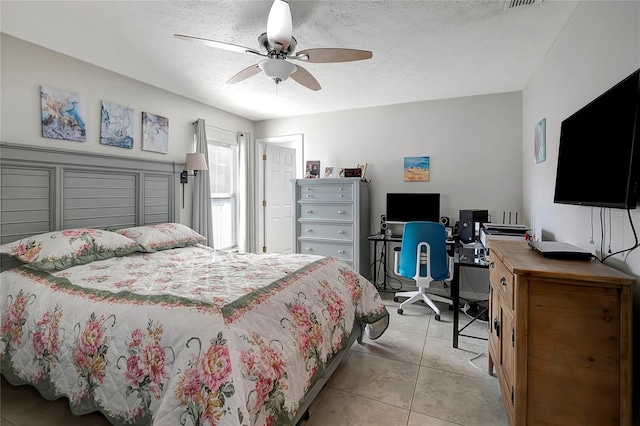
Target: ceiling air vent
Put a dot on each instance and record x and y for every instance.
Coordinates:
(512, 4)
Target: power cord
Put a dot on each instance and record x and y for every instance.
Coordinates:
(478, 355)
(628, 250)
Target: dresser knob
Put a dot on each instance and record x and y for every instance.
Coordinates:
(340, 189)
(341, 195)
(308, 195)
(308, 249)
(308, 230)
(340, 232)
(340, 211)
(308, 211)
(341, 251)
(503, 281)
(492, 265)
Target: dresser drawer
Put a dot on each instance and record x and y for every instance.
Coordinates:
(343, 251)
(326, 192)
(326, 212)
(327, 231)
(502, 280)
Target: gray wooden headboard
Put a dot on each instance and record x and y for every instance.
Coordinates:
(43, 190)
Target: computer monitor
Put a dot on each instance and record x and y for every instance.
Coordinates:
(408, 207)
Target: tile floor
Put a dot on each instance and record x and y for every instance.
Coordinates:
(411, 376)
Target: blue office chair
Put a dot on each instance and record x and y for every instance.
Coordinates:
(423, 258)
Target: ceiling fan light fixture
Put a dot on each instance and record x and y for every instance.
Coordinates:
(277, 69)
(279, 26)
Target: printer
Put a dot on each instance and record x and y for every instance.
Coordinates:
(496, 231)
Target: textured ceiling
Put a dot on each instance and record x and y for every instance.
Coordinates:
(422, 50)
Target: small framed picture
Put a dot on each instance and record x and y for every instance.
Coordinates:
(313, 170)
(363, 167)
(328, 172)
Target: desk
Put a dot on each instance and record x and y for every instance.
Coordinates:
(464, 258)
(381, 239)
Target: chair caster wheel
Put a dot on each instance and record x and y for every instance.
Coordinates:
(400, 311)
(437, 317)
(395, 299)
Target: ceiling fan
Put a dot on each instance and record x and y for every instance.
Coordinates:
(278, 47)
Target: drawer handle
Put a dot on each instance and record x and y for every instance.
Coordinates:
(341, 211)
(341, 251)
(340, 232)
(308, 230)
(341, 195)
(340, 189)
(309, 249)
(308, 211)
(308, 195)
(492, 265)
(496, 326)
(503, 281)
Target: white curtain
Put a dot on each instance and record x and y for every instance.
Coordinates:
(247, 232)
(201, 219)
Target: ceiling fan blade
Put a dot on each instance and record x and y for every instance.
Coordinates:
(279, 25)
(244, 74)
(326, 55)
(219, 44)
(305, 78)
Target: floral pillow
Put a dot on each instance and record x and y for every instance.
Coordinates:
(63, 249)
(163, 236)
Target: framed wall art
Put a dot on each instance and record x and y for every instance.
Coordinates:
(116, 125)
(416, 169)
(540, 141)
(155, 133)
(63, 114)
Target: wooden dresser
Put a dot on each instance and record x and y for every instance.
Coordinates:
(331, 218)
(559, 338)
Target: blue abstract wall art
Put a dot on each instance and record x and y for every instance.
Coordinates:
(63, 114)
(116, 125)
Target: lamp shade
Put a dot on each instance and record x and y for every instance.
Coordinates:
(195, 161)
(279, 25)
(277, 69)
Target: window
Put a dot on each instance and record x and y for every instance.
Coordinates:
(223, 174)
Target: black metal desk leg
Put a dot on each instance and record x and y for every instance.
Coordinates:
(375, 263)
(455, 295)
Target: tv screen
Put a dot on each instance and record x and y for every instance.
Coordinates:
(599, 153)
(408, 207)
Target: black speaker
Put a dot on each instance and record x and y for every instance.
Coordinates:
(445, 221)
(383, 224)
(468, 218)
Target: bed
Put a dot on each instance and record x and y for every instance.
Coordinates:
(152, 327)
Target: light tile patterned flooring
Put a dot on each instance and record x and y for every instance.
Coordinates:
(411, 376)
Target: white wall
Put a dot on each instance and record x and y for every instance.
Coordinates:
(474, 145)
(25, 67)
(599, 46)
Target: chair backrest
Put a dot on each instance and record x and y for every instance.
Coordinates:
(435, 235)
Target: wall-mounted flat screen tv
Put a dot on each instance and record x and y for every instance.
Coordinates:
(409, 207)
(599, 153)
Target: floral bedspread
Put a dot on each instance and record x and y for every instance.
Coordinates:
(188, 336)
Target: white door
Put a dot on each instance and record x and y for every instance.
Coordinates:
(279, 169)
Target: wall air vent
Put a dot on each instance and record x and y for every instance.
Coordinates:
(512, 4)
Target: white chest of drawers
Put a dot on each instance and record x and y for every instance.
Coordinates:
(331, 218)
